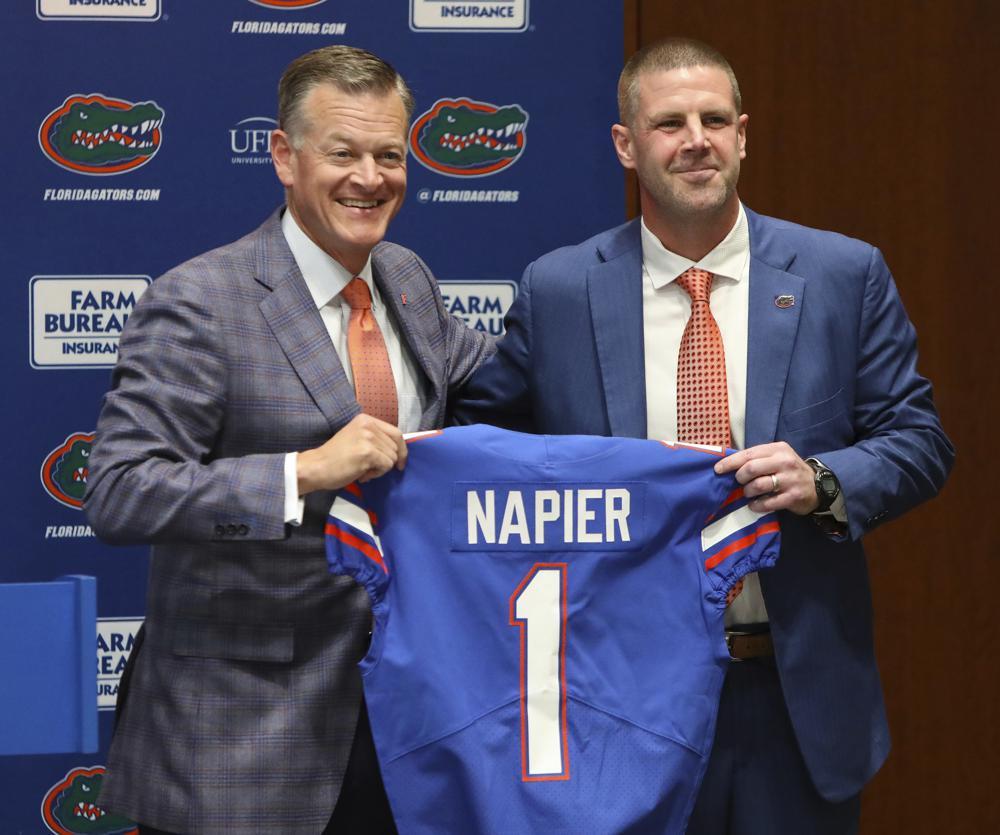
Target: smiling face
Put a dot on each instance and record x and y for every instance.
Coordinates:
(345, 176)
(685, 144)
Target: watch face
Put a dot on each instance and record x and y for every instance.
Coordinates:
(828, 484)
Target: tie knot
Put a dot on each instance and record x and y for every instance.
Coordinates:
(696, 283)
(356, 294)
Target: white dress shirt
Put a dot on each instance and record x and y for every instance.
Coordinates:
(325, 278)
(666, 308)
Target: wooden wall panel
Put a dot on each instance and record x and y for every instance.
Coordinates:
(879, 120)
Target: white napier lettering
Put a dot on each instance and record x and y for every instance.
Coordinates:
(567, 515)
(584, 514)
(515, 520)
(547, 516)
(480, 518)
(546, 510)
(617, 506)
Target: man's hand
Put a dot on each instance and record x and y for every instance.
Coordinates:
(774, 478)
(363, 449)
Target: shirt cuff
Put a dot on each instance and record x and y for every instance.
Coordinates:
(294, 504)
(839, 508)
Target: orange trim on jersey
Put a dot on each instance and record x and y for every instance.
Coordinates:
(355, 490)
(708, 449)
(735, 496)
(358, 544)
(732, 547)
(424, 435)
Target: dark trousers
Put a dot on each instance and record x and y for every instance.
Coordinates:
(363, 808)
(756, 782)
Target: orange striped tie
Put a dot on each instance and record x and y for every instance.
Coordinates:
(374, 385)
(702, 394)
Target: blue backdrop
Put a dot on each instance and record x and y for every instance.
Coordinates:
(181, 96)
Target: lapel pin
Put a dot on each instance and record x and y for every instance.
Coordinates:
(784, 301)
(402, 297)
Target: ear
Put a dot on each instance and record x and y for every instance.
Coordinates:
(283, 157)
(742, 135)
(622, 138)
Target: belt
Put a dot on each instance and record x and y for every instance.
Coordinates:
(745, 645)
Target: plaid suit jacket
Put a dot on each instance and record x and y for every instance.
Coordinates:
(244, 697)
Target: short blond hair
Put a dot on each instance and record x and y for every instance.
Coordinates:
(668, 54)
(348, 68)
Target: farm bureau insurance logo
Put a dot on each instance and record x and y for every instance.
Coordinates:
(115, 640)
(97, 135)
(64, 471)
(482, 16)
(480, 304)
(77, 320)
(69, 807)
(250, 140)
(133, 10)
(468, 138)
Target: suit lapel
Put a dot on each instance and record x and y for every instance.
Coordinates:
(394, 277)
(291, 314)
(615, 292)
(776, 300)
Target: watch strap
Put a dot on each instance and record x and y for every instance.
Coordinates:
(822, 476)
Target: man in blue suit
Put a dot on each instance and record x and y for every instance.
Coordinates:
(834, 425)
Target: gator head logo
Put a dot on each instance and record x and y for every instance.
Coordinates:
(64, 473)
(466, 138)
(288, 4)
(70, 807)
(98, 135)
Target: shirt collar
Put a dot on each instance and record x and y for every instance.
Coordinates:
(727, 259)
(324, 276)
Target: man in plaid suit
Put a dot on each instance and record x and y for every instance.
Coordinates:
(231, 419)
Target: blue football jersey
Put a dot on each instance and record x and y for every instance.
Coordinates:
(548, 646)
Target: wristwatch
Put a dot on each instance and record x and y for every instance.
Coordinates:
(827, 486)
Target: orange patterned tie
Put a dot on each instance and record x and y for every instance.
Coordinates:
(374, 385)
(702, 395)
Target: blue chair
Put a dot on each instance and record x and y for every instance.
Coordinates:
(48, 678)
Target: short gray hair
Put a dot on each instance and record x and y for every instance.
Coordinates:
(668, 54)
(348, 68)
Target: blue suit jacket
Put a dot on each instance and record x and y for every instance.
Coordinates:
(834, 375)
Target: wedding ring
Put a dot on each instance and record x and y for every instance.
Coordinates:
(774, 483)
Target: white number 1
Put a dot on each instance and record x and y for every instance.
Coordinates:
(538, 607)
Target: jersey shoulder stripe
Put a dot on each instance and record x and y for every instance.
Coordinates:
(734, 531)
(354, 526)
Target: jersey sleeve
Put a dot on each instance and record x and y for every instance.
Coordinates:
(738, 540)
(352, 542)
